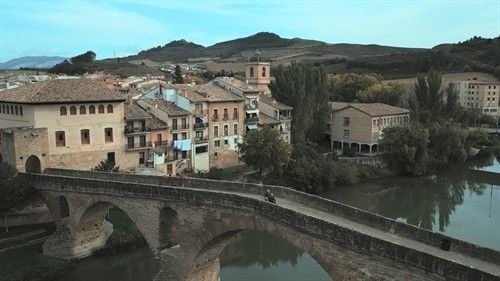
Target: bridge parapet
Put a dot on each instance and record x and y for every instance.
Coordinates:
(360, 216)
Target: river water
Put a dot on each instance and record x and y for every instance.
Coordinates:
(451, 203)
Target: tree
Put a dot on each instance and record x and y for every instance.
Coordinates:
(304, 87)
(453, 109)
(87, 57)
(178, 75)
(447, 143)
(388, 94)
(428, 102)
(14, 189)
(345, 87)
(264, 149)
(106, 166)
(405, 149)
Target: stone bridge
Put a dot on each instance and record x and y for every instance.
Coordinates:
(187, 222)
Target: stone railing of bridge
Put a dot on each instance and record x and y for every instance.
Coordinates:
(360, 216)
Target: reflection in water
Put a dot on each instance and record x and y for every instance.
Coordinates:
(138, 265)
(261, 256)
(453, 202)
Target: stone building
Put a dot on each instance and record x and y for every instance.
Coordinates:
(276, 115)
(226, 124)
(62, 123)
(481, 95)
(359, 125)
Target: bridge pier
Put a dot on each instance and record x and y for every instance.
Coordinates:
(70, 243)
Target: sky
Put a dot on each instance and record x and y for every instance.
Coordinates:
(121, 28)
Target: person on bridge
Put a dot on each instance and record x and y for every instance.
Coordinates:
(269, 196)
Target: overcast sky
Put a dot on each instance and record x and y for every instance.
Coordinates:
(68, 28)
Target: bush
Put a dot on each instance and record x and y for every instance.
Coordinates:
(14, 189)
(213, 174)
(347, 173)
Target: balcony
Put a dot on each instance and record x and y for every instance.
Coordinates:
(181, 127)
(201, 125)
(162, 143)
(138, 145)
(200, 139)
(250, 106)
(252, 119)
(226, 117)
(133, 130)
(215, 117)
(236, 116)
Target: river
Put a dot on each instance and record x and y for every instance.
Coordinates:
(451, 203)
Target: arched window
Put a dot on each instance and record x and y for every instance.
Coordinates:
(251, 71)
(83, 109)
(263, 72)
(72, 110)
(110, 108)
(12, 109)
(21, 110)
(91, 109)
(8, 109)
(63, 110)
(101, 108)
(16, 110)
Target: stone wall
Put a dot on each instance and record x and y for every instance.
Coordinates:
(315, 227)
(373, 220)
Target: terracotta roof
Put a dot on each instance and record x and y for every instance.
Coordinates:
(62, 91)
(238, 84)
(265, 119)
(216, 93)
(373, 109)
(273, 102)
(168, 107)
(134, 111)
(157, 124)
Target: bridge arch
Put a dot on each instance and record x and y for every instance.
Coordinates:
(33, 165)
(63, 207)
(95, 216)
(219, 234)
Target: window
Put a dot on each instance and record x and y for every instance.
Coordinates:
(63, 111)
(110, 108)
(184, 123)
(235, 113)
(235, 140)
(184, 154)
(21, 110)
(16, 110)
(100, 109)
(158, 139)
(201, 149)
(60, 138)
(184, 136)
(8, 109)
(216, 131)
(226, 142)
(263, 72)
(174, 124)
(108, 134)
(235, 129)
(226, 115)
(130, 142)
(175, 137)
(226, 130)
(91, 109)
(72, 110)
(217, 143)
(142, 141)
(347, 120)
(346, 133)
(111, 158)
(251, 71)
(216, 115)
(374, 123)
(12, 109)
(141, 158)
(85, 136)
(83, 110)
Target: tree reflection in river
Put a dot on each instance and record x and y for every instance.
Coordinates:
(254, 247)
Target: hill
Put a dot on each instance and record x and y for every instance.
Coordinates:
(476, 54)
(31, 62)
(272, 47)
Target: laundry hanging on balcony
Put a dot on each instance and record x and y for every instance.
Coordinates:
(183, 145)
(252, 126)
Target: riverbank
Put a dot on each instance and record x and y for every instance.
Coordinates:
(29, 263)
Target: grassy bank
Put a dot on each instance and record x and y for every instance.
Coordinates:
(29, 263)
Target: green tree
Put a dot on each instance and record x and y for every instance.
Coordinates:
(178, 75)
(87, 57)
(106, 166)
(389, 94)
(447, 143)
(304, 87)
(428, 102)
(346, 87)
(14, 189)
(265, 150)
(405, 149)
(453, 109)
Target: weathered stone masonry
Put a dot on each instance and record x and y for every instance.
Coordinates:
(202, 221)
